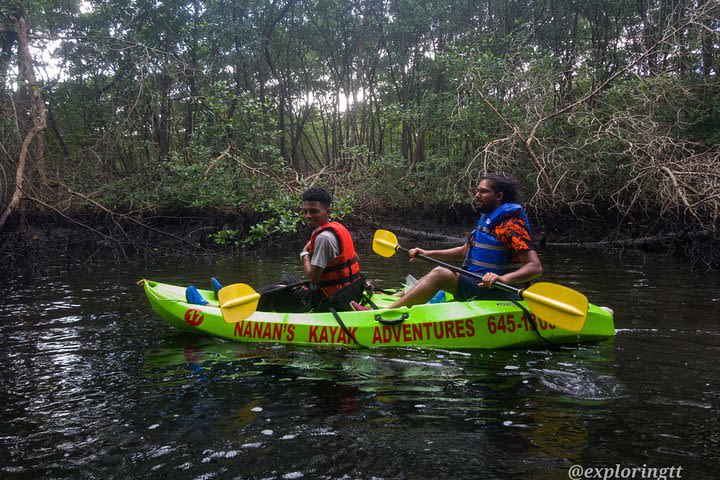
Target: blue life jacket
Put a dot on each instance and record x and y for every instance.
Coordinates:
(487, 253)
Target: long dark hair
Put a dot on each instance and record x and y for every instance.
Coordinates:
(507, 185)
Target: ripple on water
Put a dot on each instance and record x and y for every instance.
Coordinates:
(93, 380)
(292, 475)
(210, 455)
(584, 385)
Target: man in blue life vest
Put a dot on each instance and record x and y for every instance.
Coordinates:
(499, 249)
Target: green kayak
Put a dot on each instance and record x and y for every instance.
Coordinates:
(482, 324)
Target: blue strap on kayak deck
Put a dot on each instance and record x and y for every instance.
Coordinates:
(216, 286)
(193, 296)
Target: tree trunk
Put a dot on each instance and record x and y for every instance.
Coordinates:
(8, 38)
(34, 137)
(192, 77)
(267, 33)
(162, 119)
(706, 40)
(649, 34)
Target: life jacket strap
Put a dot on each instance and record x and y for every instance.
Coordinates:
(507, 266)
(340, 266)
(340, 281)
(488, 246)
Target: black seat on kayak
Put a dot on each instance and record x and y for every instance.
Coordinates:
(298, 299)
(341, 299)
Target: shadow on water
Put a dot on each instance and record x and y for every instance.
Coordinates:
(94, 385)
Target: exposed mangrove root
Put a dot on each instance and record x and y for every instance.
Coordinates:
(115, 216)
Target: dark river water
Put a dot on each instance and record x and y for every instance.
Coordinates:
(95, 385)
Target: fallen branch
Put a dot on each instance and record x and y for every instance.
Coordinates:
(420, 234)
(634, 242)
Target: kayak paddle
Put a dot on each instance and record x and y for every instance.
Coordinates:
(239, 300)
(556, 304)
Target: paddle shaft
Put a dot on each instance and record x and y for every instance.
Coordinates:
(280, 288)
(500, 285)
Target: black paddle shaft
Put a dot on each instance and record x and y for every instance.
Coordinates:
(280, 288)
(500, 285)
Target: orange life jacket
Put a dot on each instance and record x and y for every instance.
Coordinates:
(342, 269)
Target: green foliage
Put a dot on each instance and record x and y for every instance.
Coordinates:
(343, 205)
(198, 185)
(180, 104)
(225, 237)
(384, 183)
(281, 217)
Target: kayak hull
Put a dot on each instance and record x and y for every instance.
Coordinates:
(486, 324)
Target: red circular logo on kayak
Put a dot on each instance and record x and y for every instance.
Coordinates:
(194, 317)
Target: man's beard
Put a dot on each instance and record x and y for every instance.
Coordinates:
(485, 208)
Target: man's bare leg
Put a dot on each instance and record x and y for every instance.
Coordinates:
(439, 278)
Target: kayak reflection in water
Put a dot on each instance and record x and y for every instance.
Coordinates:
(499, 248)
(328, 259)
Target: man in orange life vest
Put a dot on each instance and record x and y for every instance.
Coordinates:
(500, 249)
(329, 263)
(329, 259)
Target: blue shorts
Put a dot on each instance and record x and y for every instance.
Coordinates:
(468, 289)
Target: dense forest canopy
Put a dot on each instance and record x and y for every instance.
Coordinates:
(598, 106)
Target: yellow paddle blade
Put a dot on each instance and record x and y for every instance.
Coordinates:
(237, 302)
(384, 243)
(561, 306)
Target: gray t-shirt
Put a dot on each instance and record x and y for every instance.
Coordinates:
(326, 247)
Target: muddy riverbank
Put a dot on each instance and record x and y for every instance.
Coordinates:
(84, 237)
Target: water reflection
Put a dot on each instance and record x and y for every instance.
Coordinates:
(93, 380)
(521, 402)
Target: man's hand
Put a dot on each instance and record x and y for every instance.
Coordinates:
(415, 251)
(489, 279)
